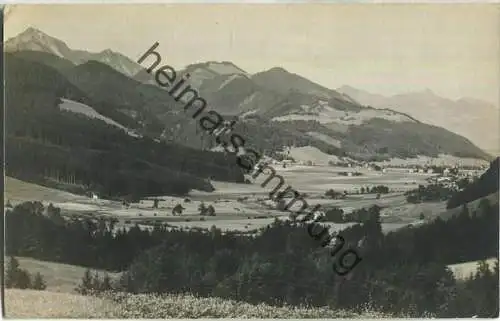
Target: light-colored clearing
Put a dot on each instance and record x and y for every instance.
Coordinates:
(324, 114)
(86, 110)
(327, 139)
(462, 271)
(313, 154)
(90, 112)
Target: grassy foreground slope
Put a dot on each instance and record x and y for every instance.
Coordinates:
(60, 301)
(38, 304)
(45, 304)
(17, 191)
(59, 277)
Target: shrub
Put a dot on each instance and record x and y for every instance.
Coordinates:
(92, 284)
(39, 282)
(105, 285)
(87, 283)
(210, 210)
(335, 215)
(16, 277)
(202, 208)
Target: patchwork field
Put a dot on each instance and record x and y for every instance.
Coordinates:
(243, 207)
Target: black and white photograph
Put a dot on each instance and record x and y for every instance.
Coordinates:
(304, 160)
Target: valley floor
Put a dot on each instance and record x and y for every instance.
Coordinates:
(242, 207)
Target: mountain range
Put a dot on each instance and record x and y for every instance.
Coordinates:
(35, 40)
(47, 81)
(473, 118)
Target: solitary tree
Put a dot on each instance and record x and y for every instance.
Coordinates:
(210, 210)
(23, 280)
(96, 283)
(86, 284)
(106, 283)
(202, 208)
(39, 282)
(11, 272)
(177, 210)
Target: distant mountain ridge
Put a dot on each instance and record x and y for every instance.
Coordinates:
(274, 108)
(35, 40)
(473, 118)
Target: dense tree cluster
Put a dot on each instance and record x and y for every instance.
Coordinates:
(379, 189)
(335, 214)
(335, 194)
(280, 265)
(361, 215)
(15, 277)
(429, 193)
(352, 173)
(92, 283)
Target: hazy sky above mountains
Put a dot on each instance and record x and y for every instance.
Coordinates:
(387, 49)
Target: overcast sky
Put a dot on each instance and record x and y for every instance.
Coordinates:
(451, 49)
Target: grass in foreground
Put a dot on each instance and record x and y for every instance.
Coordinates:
(44, 304)
(59, 277)
(189, 306)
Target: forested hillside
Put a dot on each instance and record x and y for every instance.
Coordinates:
(485, 185)
(49, 146)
